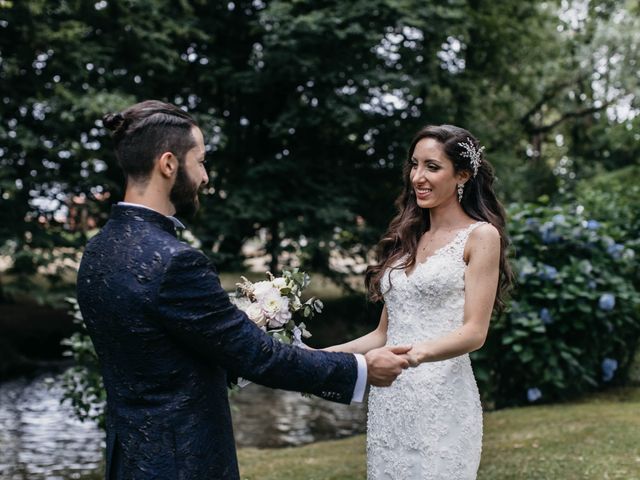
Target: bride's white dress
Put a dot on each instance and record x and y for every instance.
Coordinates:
(428, 424)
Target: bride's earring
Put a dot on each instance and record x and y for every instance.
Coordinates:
(460, 191)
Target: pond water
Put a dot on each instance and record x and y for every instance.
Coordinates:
(41, 439)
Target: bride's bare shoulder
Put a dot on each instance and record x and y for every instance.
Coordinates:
(484, 239)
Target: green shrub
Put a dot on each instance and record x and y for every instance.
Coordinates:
(613, 198)
(82, 383)
(572, 324)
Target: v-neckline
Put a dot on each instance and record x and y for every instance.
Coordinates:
(436, 251)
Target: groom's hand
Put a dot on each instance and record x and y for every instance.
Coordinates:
(385, 364)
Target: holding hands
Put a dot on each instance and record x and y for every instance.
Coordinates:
(385, 364)
(414, 357)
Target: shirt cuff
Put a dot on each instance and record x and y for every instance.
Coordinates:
(361, 382)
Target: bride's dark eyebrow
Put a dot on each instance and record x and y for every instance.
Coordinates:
(426, 160)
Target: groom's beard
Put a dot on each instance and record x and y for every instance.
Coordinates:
(184, 195)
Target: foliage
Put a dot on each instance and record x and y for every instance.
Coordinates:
(574, 321)
(613, 198)
(82, 383)
(38, 274)
(307, 107)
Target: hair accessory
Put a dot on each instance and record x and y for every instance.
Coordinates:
(473, 154)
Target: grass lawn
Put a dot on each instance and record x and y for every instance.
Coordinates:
(594, 438)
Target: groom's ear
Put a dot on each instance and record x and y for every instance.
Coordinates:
(167, 164)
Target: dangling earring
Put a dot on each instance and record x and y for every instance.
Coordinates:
(460, 191)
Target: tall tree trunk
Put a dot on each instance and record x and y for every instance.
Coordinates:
(536, 145)
(274, 246)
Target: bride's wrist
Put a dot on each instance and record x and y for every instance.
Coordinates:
(423, 354)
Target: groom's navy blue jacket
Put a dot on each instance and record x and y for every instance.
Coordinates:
(167, 335)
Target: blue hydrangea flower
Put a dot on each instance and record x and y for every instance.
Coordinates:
(558, 218)
(548, 272)
(592, 284)
(534, 394)
(545, 316)
(531, 222)
(607, 302)
(615, 250)
(593, 224)
(548, 234)
(609, 367)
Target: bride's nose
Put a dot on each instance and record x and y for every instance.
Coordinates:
(419, 174)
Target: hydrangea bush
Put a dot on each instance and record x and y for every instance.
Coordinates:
(614, 197)
(572, 324)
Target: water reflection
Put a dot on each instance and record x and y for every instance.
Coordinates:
(272, 418)
(41, 439)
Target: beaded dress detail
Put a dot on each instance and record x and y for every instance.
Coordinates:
(428, 424)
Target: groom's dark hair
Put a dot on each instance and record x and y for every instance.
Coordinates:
(145, 131)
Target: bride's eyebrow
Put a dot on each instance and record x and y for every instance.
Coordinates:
(426, 160)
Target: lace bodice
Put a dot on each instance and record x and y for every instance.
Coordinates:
(434, 290)
(428, 424)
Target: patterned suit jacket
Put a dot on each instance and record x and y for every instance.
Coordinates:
(167, 336)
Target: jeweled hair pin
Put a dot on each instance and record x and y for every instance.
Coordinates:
(473, 154)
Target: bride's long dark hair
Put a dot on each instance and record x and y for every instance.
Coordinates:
(479, 202)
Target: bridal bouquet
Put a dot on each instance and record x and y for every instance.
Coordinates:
(275, 303)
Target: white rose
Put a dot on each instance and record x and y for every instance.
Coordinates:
(276, 308)
(261, 289)
(256, 315)
(281, 318)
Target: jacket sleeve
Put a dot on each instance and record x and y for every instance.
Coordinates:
(195, 309)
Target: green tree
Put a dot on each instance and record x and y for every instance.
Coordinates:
(307, 107)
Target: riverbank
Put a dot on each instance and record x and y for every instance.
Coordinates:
(594, 438)
(30, 337)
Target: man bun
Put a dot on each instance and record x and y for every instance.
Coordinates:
(113, 122)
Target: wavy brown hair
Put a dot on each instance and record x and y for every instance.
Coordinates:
(479, 202)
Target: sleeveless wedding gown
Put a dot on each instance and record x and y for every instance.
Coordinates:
(428, 424)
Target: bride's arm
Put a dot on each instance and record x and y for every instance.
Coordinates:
(375, 339)
(481, 283)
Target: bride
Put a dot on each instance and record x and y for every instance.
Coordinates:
(442, 270)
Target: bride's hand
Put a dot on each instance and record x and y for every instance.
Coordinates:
(413, 356)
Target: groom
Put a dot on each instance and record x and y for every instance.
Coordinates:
(165, 332)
